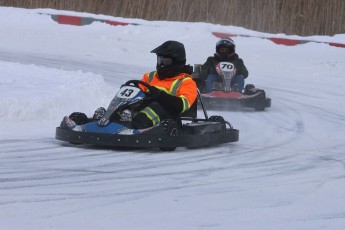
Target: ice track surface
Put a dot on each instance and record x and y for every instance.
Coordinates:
(283, 161)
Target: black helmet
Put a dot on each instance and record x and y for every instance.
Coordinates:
(226, 43)
(172, 49)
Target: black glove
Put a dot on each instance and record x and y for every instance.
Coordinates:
(154, 92)
(170, 103)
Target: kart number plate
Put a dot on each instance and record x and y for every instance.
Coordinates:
(127, 92)
(226, 66)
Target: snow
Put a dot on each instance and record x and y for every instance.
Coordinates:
(286, 172)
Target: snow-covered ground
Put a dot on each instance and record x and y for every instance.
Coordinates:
(286, 172)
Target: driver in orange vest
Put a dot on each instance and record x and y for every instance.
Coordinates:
(172, 89)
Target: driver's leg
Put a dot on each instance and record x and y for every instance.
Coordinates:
(151, 115)
(239, 81)
(211, 78)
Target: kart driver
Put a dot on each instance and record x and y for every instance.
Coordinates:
(225, 52)
(172, 89)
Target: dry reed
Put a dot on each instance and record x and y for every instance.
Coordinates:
(301, 17)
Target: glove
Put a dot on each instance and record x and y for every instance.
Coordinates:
(154, 92)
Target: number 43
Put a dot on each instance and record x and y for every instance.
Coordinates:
(126, 93)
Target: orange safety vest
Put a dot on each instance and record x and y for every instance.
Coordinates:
(182, 86)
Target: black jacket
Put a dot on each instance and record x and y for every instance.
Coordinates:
(209, 66)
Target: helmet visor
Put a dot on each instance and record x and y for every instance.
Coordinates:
(225, 50)
(164, 61)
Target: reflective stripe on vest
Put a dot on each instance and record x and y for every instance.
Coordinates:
(152, 115)
(175, 86)
(186, 104)
(150, 76)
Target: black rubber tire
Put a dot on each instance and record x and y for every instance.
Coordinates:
(173, 131)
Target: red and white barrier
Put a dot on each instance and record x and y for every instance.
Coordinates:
(82, 21)
(279, 41)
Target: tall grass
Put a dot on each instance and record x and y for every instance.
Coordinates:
(301, 17)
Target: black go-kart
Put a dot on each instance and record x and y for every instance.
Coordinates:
(112, 127)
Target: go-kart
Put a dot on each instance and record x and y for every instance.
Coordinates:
(225, 97)
(110, 128)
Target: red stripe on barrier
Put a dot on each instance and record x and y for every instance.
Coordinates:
(81, 21)
(69, 20)
(337, 44)
(285, 41)
(223, 35)
(115, 23)
(280, 41)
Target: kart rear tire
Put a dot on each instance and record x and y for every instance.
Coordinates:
(264, 105)
(173, 131)
(261, 108)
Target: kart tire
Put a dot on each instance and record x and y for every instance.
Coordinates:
(221, 120)
(172, 129)
(261, 108)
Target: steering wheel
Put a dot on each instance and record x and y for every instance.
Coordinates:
(136, 83)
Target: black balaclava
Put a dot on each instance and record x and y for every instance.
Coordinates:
(176, 51)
